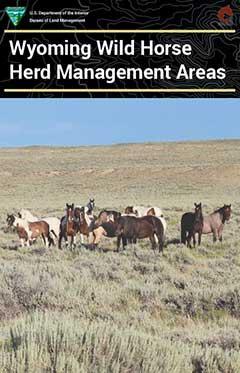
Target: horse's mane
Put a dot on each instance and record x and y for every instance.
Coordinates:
(220, 210)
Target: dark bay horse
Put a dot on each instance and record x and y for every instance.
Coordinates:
(192, 223)
(69, 227)
(130, 228)
(214, 223)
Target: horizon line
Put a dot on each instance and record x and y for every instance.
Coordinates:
(119, 143)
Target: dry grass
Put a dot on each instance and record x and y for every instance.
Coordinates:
(137, 311)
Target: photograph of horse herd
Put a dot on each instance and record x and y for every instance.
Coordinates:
(120, 258)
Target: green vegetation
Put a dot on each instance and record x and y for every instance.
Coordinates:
(137, 311)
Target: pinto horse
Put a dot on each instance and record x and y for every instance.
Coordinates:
(214, 223)
(88, 211)
(69, 227)
(192, 223)
(130, 228)
(28, 232)
(53, 222)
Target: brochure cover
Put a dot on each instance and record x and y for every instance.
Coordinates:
(120, 176)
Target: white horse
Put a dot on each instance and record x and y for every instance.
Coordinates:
(141, 211)
(54, 223)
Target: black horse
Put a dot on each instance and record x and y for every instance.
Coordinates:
(192, 223)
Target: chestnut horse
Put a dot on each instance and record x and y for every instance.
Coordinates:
(69, 227)
(130, 228)
(192, 223)
(83, 228)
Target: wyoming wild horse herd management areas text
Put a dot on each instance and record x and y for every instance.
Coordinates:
(111, 74)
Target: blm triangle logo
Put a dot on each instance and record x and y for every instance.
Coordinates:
(15, 13)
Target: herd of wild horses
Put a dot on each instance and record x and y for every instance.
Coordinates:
(137, 222)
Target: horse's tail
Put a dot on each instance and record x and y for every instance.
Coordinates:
(183, 232)
(159, 232)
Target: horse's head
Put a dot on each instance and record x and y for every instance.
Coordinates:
(129, 210)
(227, 211)
(198, 209)
(70, 211)
(10, 223)
(10, 220)
(82, 216)
(90, 205)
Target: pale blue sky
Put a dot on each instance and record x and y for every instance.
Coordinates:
(85, 122)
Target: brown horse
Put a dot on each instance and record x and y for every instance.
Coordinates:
(214, 223)
(69, 227)
(130, 228)
(83, 228)
(192, 223)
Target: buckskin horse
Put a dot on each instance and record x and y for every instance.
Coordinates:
(69, 227)
(214, 223)
(192, 223)
(130, 228)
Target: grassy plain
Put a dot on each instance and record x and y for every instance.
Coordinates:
(136, 311)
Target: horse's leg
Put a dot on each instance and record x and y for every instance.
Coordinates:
(44, 240)
(60, 241)
(72, 242)
(153, 241)
(54, 235)
(75, 240)
(118, 242)
(124, 242)
(199, 238)
(183, 235)
(215, 235)
(160, 242)
(194, 239)
(81, 238)
(50, 240)
(220, 232)
(91, 238)
(66, 239)
(189, 237)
